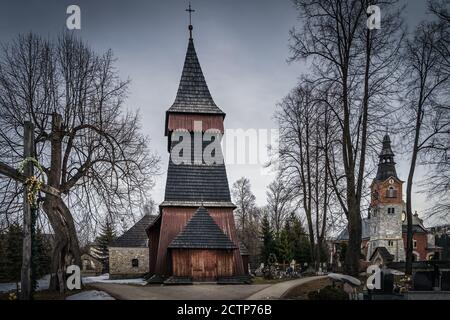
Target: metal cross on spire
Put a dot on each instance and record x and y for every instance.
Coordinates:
(190, 10)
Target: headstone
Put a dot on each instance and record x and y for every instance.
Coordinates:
(292, 265)
(387, 281)
(423, 281)
(445, 281)
(260, 270)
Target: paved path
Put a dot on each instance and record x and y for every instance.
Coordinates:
(277, 291)
(201, 291)
(182, 292)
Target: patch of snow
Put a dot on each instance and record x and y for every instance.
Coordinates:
(42, 284)
(90, 295)
(104, 278)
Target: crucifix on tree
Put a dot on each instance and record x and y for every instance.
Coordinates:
(32, 186)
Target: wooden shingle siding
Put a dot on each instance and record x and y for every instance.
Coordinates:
(193, 95)
(186, 121)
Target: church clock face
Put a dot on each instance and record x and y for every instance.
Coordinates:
(403, 216)
(391, 181)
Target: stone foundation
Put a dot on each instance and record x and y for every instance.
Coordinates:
(121, 262)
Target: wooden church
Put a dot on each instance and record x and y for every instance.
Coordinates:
(194, 236)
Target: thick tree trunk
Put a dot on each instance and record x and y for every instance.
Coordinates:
(409, 215)
(66, 250)
(353, 253)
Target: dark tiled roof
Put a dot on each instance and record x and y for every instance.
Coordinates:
(193, 95)
(199, 182)
(387, 257)
(194, 183)
(386, 165)
(202, 232)
(136, 235)
(417, 225)
(343, 236)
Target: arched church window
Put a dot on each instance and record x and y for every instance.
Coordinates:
(391, 210)
(391, 192)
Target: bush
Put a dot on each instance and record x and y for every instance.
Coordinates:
(328, 293)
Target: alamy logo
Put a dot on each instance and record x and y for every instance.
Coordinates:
(74, 280)
(374, 280)
(235, 146)
(73, 21)
(374, 20)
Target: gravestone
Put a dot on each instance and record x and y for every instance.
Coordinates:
(387, 281)
(423, 281)
(445, 281)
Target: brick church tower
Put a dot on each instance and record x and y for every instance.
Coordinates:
(386, 207)
(194, 237)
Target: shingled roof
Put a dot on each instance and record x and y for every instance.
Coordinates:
(202, 232)
(386, 164)
(189, 182)
(136, 235)
(193, 95)
(365, 231)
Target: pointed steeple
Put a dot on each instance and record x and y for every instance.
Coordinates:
(193, 95)
(386, 163)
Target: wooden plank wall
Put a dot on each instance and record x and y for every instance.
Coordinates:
(186, 121)
(173, 221)
(202, 265)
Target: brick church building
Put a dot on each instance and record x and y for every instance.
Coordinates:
(194, 236)
(384, 230)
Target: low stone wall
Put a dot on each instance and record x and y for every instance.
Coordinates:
(121, 262)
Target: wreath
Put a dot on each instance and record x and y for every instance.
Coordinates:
(33, 183)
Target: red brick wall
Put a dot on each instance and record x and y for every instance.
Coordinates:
(381, 188)
(421, 248)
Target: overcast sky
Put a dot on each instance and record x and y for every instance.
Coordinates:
(242, 46)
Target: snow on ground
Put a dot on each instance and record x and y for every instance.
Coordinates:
(90, 295)
(42, 284)
(104, 278)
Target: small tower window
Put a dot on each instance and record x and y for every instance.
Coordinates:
(391, 210)
(414, 243)
(135, 263)
(390, 243)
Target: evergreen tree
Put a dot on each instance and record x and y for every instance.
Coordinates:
(103, 241)
(284, 247)
(13, 253)
(268, 244)
(43, 255)
(298, 239)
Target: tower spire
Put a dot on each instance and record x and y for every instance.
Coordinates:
(190, 10)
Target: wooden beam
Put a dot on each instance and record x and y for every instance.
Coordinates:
(16, 175)
(25, 279)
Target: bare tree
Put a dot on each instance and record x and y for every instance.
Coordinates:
(89, 146)
(355, 67)
(426, 86)
(245, 202)
(280, 202)
(305, 136)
